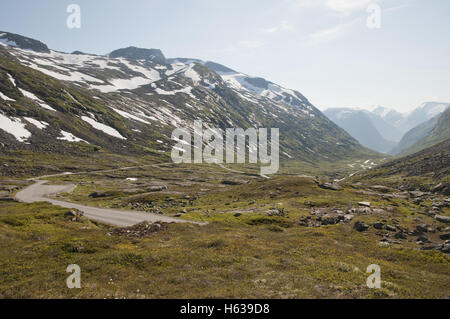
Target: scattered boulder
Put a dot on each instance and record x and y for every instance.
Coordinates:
(331, 186)
(378, 225)
(98, 194)
(446, 248)
(422, 228)
(231, 182)
(139, 230)
(400, 235)
(330, 219)
(378, 211)
(415, 194)
(348, 217)
(437, 188)
(74, 215)
(434, 247)
(158, 188)
(390, 228)
(364, 204)
(445, 236)
(276, 212)
(360, 211)
(423, 239)
(360, 226)
(442, 219)
(381, 188)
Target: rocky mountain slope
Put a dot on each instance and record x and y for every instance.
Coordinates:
(426, 170)
(130, 101)
(414, 135)
(435, 131)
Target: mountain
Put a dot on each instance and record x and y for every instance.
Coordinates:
(381, 128)
(385, 120)
(133, 53)
(426, 170)
(15, 40)
(423, 113)
(415, 135)
(424, 165)
(405, 122)
(436, 130)
(130, 101)
(359, 125)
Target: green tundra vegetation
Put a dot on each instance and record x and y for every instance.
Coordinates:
(255, 245)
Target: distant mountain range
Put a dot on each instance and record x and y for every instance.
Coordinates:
(386, 130)
(427, 134)
(360, 125)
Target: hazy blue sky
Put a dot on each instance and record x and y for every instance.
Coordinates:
(322, 48)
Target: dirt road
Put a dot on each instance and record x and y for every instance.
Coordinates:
(39, 192)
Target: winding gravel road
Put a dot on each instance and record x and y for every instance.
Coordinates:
(38, 192)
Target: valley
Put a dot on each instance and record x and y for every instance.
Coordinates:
(87, 178)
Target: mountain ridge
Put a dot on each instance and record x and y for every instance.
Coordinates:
(138, 102)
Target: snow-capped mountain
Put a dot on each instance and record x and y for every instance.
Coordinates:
(131, 99)
(404, 122)
(382, 128)
(360, 125)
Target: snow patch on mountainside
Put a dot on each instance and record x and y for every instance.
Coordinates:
(69, 137)
(130, 116)
(35, 98)
(186, 90)
(102, 127)
(11, 79)
(4, 97)
(6, 42)
(14, 127)
(39, 124)
(192, 74)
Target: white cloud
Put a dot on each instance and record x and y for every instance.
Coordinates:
(333, 32)
(251, 44)
(286, 26)
(282, 26)
(270, 30)
(348, 6)
(345, 7)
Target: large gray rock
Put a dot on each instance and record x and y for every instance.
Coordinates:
(156, 188)
(445, 236)
(331, 186)
(378, 225)
(360, 226)
(442, 219)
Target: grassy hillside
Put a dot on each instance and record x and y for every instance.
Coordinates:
(439, 133)
(257, 243)
(422, 170)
